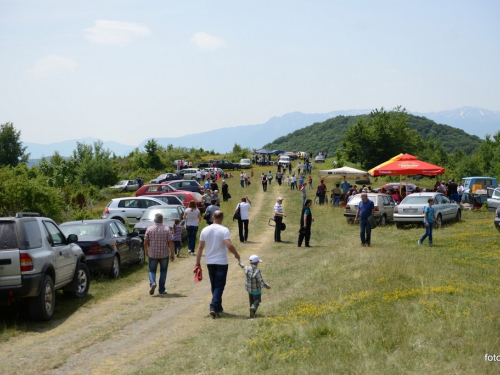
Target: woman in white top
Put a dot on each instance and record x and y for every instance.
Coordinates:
(193, 218)
(243, 220)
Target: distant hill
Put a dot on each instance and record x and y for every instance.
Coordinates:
(474, 120)
(328, 135)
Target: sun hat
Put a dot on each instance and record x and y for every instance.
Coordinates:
(254, 259)
(279, 199)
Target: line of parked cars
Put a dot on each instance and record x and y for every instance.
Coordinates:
(409, 211)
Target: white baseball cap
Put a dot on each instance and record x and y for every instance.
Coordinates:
(279, 199)
(254, 259)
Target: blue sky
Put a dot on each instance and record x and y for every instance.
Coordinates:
(131, 70)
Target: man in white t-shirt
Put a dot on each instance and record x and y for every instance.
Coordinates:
(217, 240)
(244, 205)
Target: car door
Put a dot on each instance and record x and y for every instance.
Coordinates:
(65, 264)
(132, 209)
(448, 208)
(120, 242)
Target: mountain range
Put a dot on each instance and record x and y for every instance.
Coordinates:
(473, 120)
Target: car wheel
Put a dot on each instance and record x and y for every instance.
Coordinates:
(82, 281)
(193, 178)
(439, 221)
(459, 216)
(114, 272)
(383, 220)
(42, 306)
(142, 255)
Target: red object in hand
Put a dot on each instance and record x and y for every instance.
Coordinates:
(198, 276)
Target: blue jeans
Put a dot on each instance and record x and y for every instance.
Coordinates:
(242, 182)
(336, 200)
(153, 265)
(217, 274)
(192, 230)
(428, 233)
(303, 200)
(364, 226)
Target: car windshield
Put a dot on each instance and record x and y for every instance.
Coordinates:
(415, 199)
(124, 182)
(168, 213)
(162, 176)
(83, 231)
(245, 160)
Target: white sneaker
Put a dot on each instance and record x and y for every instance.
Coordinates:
(419, 243)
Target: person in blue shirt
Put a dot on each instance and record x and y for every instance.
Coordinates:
(366, 208)
(429, 219)
(345, 185)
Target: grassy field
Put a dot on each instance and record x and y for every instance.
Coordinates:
(337, 307)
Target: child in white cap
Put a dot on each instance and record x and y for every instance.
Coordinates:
(254, 283)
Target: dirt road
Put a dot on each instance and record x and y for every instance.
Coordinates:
(130, 329)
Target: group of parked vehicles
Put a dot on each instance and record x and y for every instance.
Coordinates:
(477, 190)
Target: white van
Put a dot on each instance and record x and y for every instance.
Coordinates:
(284, 160)
(245, 163)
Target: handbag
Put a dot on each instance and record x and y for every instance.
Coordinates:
(372, 221)
(207, 215)
(237, 213)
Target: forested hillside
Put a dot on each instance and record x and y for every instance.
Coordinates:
(329, 135)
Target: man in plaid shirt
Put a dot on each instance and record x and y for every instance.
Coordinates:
(158, 241)
(254, 283)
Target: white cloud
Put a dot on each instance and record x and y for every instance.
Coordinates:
(207, 41)
(114, 32)
(53, 65)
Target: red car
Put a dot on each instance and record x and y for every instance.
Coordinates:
(188, 196)
(154, 189)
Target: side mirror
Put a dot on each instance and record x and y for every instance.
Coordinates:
(72, 238)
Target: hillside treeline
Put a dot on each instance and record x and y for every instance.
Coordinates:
(368, 140)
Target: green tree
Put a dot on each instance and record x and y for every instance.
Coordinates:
(12, 151)
(152, 157)
(93, 164)
(380, 136)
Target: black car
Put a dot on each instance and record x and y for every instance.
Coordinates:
(107, 244)
(166, 177)
(170, 213)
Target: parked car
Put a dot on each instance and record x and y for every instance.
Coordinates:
(411, 209)
(107, 244)
(497, 219)
(384, 207)
(245, 164)
(284, 160)
(396, 185)
(168, 199)
(493, 199)
(185, 185)
(471, 184)
(320, 158)
(188, 196)
(188, 174)
(154, 189)
(126, 185)
(220, 163)
(129, 210)
(166, 177)
(292, 155)
(36, 259)
(170, 213)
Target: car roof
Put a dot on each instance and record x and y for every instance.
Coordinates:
(165, 207)
(90, 221)
(139, 197)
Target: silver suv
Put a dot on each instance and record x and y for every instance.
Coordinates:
(36, 259)
(129, 210)
(384, 207)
